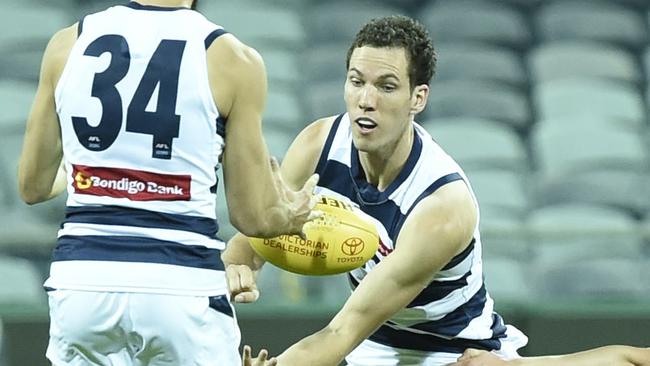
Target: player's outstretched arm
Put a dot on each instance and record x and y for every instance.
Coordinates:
(40, 176)
(440, 227)
(603, 356)
(242, 262)
(259, 203)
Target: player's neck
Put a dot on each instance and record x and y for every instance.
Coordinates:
(166, 3)
(382, 168)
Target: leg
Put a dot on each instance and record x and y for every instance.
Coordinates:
(84, 327)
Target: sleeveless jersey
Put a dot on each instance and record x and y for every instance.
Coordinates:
(454, 311)
(142, 139)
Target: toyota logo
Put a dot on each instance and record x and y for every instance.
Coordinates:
(352, 246)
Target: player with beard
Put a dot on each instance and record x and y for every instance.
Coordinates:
(132, 103)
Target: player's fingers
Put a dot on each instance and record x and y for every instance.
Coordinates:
(272, 362)
(246, 355)
(315, 214)
(246, 296)
(310, 184)
(470, 353)
(232, 279)
(247, 278)
(263, 355)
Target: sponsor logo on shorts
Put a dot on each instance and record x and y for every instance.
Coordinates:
(136, 185)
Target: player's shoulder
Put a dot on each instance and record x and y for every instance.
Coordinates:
(316, 132)
(229, 51)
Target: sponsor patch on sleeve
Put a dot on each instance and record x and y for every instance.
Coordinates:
(136, 185)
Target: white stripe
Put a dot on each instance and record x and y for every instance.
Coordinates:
(480, 327)
(439, 309)
(178, 236)
(136, 277)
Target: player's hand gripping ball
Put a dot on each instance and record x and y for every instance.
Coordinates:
(344, 238)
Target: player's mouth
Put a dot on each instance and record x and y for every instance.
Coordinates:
(365, 124)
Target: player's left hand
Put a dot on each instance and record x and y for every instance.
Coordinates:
(475, 357)
(260, 360)
(241, 283)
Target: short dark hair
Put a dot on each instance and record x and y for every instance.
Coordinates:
(400, 31)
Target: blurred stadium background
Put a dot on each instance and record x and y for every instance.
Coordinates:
(543, 102)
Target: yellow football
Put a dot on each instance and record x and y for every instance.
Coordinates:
(344, 238)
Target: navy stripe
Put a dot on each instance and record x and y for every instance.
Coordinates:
(498, 326)
(461, 256)
(438, 290)
(430, 189)
(136, 249)
(138, 6)
(425, 342)
(221, 127)
(328, 144)
(452, 177)
(454, 322)
(221, 304)
(368, 193)
(126, 216)
(80, 26)
(214, 35)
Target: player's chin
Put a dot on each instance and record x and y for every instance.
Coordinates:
(365, 143)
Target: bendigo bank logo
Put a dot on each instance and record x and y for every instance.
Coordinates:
(352, 246)
(135, 185)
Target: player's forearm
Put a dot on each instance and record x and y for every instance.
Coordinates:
(38, 182)
(603, 356)
(239, 251)
(324, 348)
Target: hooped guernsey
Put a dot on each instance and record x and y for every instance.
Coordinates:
(142, 139)
(454, 312)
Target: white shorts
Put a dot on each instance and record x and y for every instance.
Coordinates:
(370, 353)
(123, 329)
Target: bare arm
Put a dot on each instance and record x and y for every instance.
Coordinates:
(449, 216)
(259, 205)
(603, 356)
(40, 177)
(242, 263)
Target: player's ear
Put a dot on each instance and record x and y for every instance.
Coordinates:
(419, 97)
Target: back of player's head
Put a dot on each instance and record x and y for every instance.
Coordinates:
(400, 31)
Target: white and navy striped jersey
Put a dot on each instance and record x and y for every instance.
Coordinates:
(454, 312)
(142, 138)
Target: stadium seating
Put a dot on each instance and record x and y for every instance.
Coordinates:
(479, 143)
(568, 233)
(464, 98)
(276, 25)
(591, 20)
(325, 98)
(603, 279)
(479, 62)
(481, 21)
(507, 279)
(588, 97)
(339, 21)
(20, 282)
(567, 59)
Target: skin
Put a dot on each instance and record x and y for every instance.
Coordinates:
(232, 68)
(603, 356)
(377, 89)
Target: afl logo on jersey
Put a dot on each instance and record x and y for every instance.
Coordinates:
(352, 246)
(135, 185)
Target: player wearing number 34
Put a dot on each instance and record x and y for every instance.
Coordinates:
(136, 107)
